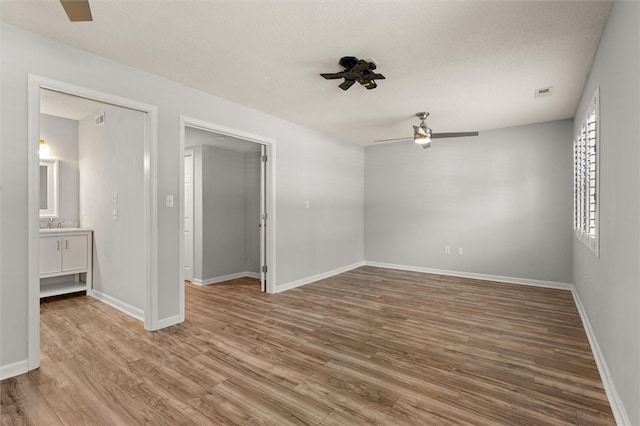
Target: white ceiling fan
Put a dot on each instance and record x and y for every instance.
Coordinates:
(422, 134)
(77, 10)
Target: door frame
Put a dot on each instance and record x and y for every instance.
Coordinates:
(35, 84)
(186, 121)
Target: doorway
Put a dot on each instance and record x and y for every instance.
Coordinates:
(256, 154)
(147, 137)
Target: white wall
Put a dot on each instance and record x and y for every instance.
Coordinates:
(111, 157)
(609, 286)
(504, 197)
(310, 166)
(61, 134)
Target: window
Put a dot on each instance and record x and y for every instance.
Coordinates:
(586, 151)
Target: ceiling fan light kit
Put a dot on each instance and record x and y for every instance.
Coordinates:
(422, 133)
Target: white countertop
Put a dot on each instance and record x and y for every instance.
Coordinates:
(63, 230)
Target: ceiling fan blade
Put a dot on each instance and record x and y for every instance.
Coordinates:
(77, 10)
(346, 84)
(453, 135)
(333, 76)
(394, 140)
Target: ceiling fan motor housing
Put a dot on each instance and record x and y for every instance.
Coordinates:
(355, 70)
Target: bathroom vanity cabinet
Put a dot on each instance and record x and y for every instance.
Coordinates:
(67, 254)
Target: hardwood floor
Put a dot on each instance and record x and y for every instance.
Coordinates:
(367, 347)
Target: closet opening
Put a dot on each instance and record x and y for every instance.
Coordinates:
(226, 207)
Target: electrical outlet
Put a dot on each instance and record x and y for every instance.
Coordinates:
(169, 201)
(460, 251)
(447, 250)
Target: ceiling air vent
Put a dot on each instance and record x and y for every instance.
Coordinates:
(544, 92)
(100, 119)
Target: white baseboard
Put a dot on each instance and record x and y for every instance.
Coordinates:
(15, 369)
(485, 277)
(288, 286)
(169, 321)
(130, 310)
(615, 402)
(617, 407)
(223, 278)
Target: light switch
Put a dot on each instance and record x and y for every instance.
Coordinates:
(114, 214)
(460, 251)
(114, 197)
(169, 201)
(447, 249)
(307, 204)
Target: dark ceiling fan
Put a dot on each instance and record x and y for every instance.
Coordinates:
(422, 134)
(77, 10)
(355, 70)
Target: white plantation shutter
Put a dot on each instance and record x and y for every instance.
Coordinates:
(585, 177)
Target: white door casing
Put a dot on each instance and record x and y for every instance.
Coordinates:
(263, 218)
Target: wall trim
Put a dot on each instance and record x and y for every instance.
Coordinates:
(222, 278)
(617, 407)
(169, 321)
(317, 277)
(15, 369)
(485, 277)
(126, 308)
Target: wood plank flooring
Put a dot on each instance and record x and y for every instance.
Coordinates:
(367, 347)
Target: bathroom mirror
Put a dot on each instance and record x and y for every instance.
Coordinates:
(48, 188)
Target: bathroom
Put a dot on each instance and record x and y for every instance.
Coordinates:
(92, 196)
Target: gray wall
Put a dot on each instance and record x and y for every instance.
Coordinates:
(330, 233)
(222, 182)
(111, 158)
(609, 286)
(504, 197)
(61, 134)
(223, 212)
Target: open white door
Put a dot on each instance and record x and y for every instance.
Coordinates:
(188, 215)
(263, 218)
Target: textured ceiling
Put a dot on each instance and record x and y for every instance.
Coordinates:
(474, 65)
(67, 106)
(76, 108)
(195, 137)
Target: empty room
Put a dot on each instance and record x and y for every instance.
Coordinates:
(328, 213)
